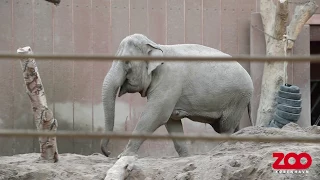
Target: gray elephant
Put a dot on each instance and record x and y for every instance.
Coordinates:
(216, 93)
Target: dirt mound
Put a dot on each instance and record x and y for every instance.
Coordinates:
(228, 160)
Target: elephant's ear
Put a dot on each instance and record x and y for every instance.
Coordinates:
(152, 65)
(154, 51)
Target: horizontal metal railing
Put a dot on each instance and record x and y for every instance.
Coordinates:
(178, 136)
(89, 57)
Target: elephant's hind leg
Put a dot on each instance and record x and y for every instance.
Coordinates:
(175, 126)
(216, 125)
(230, 121)
(237, 129)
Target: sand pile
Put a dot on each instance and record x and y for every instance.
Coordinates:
(228, 160)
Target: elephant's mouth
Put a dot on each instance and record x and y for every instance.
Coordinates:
(142, 93)
(127, 87)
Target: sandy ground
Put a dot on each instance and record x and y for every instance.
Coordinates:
(228, 160)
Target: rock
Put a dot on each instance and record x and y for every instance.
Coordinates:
(184, 176)
(190, 167)
(234, 163)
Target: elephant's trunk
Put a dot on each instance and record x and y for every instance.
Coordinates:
(113, 80)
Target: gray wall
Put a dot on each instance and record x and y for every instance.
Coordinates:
(73, 88)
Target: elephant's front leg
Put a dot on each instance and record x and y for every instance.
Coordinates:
(175, 126)
(156, 114)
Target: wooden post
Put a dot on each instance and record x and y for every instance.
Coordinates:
(43, 116)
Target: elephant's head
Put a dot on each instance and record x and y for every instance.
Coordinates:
(129, 76)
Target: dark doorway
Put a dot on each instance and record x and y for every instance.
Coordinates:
(315, 84)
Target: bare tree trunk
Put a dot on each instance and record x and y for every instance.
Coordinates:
(279, 41)
(43, 116)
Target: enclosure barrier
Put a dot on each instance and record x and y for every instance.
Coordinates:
(180, 136)
(89, 57)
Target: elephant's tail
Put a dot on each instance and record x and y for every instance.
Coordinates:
(249, 113)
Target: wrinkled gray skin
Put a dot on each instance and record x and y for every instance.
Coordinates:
(216, 93)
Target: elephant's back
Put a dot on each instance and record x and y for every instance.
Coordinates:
(219, 77)
(215, 75)
(192, 50)
(212, 87)
(213, 69)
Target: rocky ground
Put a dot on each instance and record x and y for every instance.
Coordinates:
(228, 160)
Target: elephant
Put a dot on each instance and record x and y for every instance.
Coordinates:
(216, 93)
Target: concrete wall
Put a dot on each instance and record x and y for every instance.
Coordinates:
(73, 88)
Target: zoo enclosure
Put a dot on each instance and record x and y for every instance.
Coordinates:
(181, 136)
(97, 26)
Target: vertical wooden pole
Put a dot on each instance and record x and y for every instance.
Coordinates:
(43, 116)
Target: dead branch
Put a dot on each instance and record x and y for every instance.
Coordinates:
(267, 11)
(120, 170)
(43, 116)
(302, 14)
(281, 19)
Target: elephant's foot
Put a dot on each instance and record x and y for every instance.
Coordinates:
(184, 154)
(104, 149)
(105, 152)
(181, 149)
(127, 153)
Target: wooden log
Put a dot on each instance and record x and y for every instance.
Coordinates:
(120, 170)
(43, 116)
